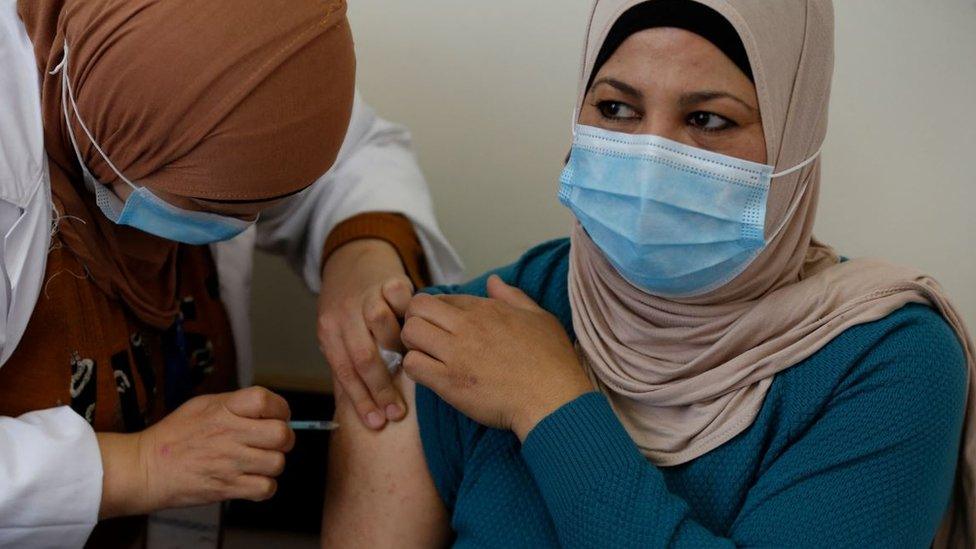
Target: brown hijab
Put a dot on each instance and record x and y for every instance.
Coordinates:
(230, 100)
(686, 376)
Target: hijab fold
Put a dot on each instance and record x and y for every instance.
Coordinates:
(226, 100)
(686, 376)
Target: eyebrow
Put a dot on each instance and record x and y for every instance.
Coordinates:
(624, 88)
(690, 99)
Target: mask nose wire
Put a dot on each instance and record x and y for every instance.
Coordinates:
(66, 86)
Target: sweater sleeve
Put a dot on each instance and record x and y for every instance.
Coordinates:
(874, 470)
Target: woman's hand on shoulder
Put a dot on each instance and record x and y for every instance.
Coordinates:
(503, 361)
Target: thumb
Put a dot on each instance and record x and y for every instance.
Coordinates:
(397, 293)
(498, 289)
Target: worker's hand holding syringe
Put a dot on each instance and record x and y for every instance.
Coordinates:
(212, 448)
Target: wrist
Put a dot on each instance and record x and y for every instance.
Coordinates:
(534, 412)
(379, 252)
(124, 489)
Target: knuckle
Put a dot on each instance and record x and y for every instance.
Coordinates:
(344, 373)
(377, 312)
(203, 399)
(362, 357)
(385, 395)
(225, 469)
(328, 329)
(363, 405)
(411, 361)
(399, 284)
(409, 325)
(202, 403)
(261, 397)
(324, 339)
(412, 325)
(417, 302)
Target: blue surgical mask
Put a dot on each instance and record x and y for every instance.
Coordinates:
(144, 210)
(675, 221)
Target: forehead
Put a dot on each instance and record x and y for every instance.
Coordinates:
(667, 47)
(671, 57)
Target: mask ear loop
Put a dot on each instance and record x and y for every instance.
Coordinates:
(799, 196)
(801, 165)
(67, 92)
(67, 118)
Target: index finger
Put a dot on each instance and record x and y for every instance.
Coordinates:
(439, 312)
(258, 403)
(463, 302)
(267, 434)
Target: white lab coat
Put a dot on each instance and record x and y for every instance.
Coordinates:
(50, 467)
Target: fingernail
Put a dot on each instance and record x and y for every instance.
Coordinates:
(374, 420)
(393, 412)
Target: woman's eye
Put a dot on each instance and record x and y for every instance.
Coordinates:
(616, 110)
(709, 121)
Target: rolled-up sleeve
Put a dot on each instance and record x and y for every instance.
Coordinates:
(50, 479)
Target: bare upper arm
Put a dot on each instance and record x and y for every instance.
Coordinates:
(379, 492)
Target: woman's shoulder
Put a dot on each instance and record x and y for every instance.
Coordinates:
(541, 273)
(912, 356)
(912, 335)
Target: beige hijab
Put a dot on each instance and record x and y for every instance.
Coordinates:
(687, 376)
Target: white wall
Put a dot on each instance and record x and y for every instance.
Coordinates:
(488, 93)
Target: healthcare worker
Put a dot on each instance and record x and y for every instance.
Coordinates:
(139, 142)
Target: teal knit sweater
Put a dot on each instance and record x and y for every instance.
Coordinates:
(854, 447)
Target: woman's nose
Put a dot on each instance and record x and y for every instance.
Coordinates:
(666, 125)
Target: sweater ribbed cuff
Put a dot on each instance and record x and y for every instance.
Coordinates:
(580, 447)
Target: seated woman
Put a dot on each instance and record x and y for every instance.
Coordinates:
(691, 368)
